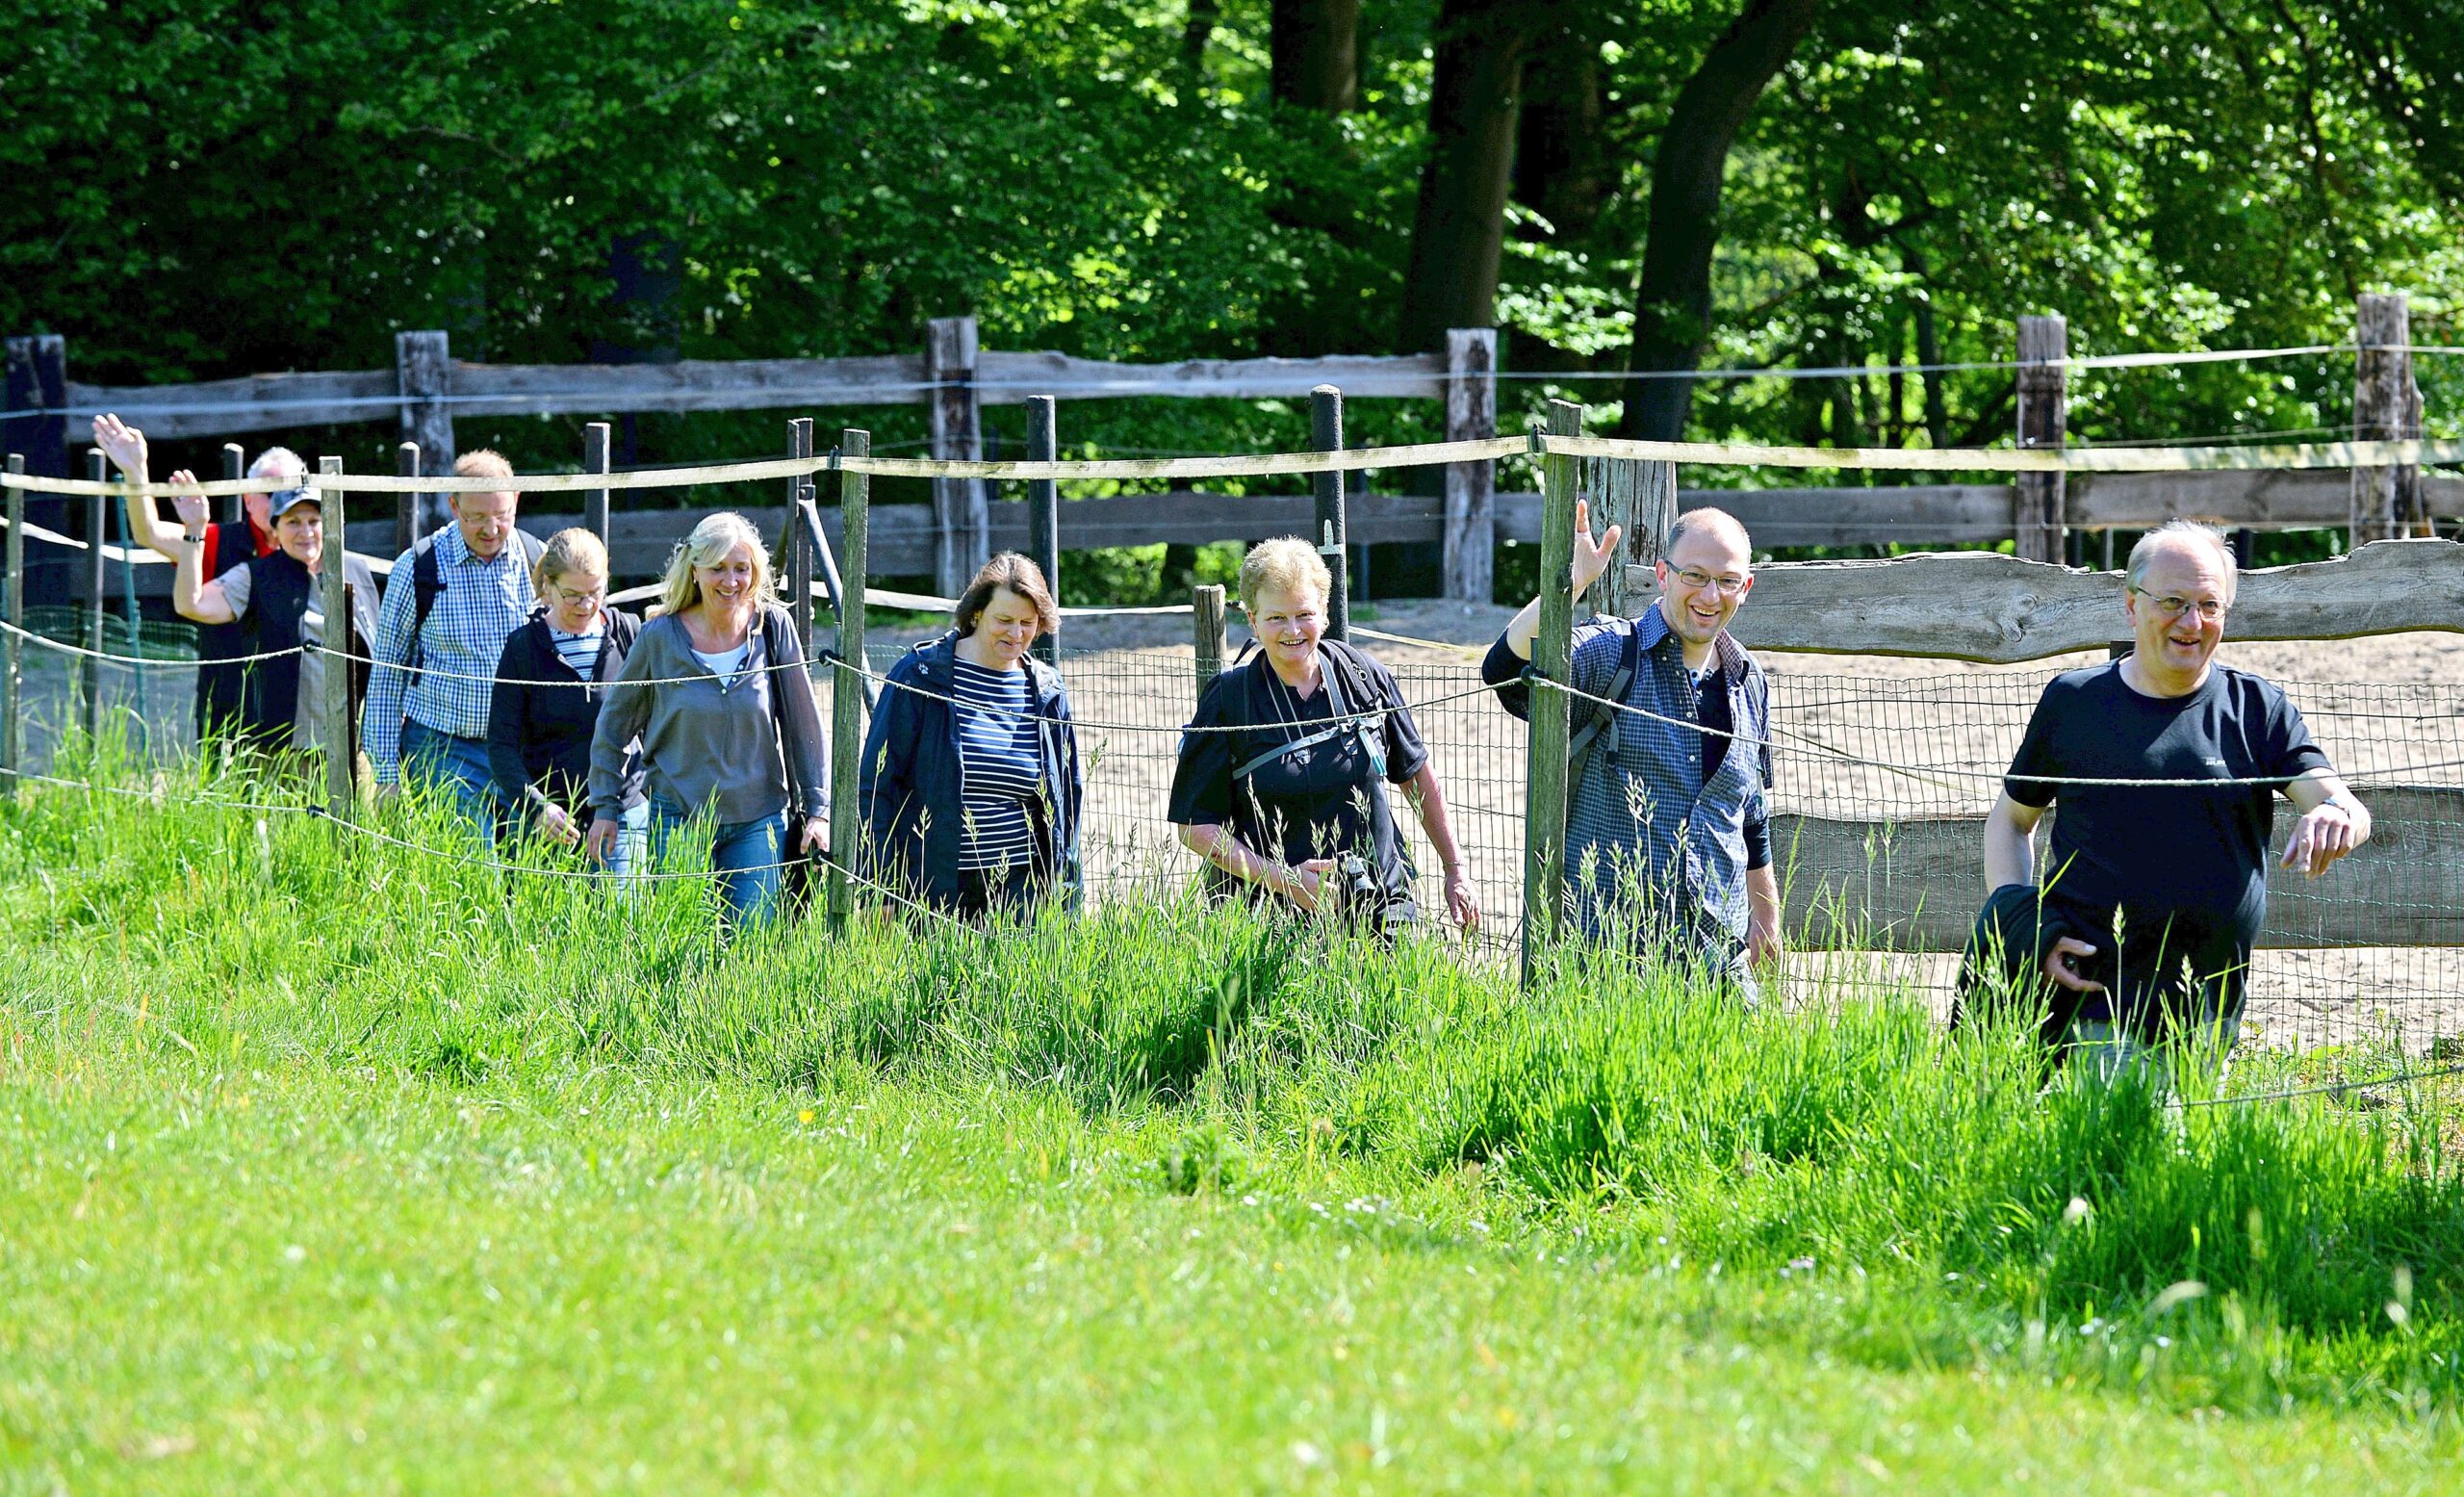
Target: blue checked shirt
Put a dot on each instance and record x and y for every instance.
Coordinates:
(1652, 851)
(442, 678)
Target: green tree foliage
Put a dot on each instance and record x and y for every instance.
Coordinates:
(208, 188)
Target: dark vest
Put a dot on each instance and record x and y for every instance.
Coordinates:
(221, 688)
(279, 589)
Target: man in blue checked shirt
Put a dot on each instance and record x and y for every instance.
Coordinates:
(1668, 845)
(437, 645)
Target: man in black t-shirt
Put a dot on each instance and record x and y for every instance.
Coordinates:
(2153, 894)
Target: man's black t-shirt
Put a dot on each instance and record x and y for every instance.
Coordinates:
(2161, 852)
(1321, 801)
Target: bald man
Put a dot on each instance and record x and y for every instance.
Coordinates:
(2153, 896)
(1668, 843)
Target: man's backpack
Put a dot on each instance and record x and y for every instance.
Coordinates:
(1601, 725)
(428, 581)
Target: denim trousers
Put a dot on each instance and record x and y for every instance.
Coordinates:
(745, 856)
(457, 765)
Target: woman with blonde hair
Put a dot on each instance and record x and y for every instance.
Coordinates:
(551, 681)
(1281, 784)
(716, 690)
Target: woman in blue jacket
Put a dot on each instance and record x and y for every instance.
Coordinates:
(970, 781)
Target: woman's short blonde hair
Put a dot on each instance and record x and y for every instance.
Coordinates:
(707, 547)
(574, 550)
(1286, 564)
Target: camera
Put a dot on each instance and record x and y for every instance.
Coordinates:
(1355, 884)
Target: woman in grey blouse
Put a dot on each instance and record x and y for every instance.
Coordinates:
(715, 689)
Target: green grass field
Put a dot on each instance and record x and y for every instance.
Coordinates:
(333, 1168)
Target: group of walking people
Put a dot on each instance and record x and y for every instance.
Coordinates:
(498, 673)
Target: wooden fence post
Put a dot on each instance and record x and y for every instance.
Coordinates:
(2038, 519)
(1641, 497)
(1043, 511)
(800, 546)
(423, 372)
(12, 738)
(846, 686)
(1470, 488)
(97, 469)
(597, 449)
(234, 465)
(962, 522)
(2386, 407)
(1333, 535)
(408, 508)
(1544, 830)
(342, 745)
(1206, 611)
(37, 386)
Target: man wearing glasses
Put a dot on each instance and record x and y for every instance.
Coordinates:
(1668, 845)
(2153, 894)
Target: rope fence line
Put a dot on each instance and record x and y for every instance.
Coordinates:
(2408, 452)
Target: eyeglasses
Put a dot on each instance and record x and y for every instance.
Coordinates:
(2208, 609)
(1697, 578)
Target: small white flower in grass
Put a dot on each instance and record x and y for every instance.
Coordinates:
(1308, 1455)
(294, 1254)
(2175, 1296)
(2077, 1211)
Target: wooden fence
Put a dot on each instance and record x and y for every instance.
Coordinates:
(956, 377)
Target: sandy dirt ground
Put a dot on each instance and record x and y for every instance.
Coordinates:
(1937, 734)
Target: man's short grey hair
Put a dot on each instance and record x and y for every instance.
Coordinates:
(2178, 532)
(281, 464)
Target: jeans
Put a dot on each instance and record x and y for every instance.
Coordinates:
(745, 856)
(459, 765)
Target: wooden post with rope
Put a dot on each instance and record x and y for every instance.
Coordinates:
(333, 578)
(598, 444)
(406, 511)
(2038, 519)
(962, 524)
(1469, 564)
(1206, 611)
(846, 686)
(1043, 511)
(97, 471)
(2386, 407)
(1543, 827)
(800, 546)
(234, 465)
(423, 379)
(13, 736)
(1333, 538)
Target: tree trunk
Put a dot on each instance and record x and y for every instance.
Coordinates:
(1197, 30)
(1673, 313)
(1459, 231)
(1563, 170)
(1313, 54)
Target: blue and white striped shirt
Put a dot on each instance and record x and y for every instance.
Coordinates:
(455, 654)
(1000, 767)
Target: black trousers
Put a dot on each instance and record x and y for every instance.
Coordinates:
(2186, 973)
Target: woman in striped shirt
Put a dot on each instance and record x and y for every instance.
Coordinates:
(971, 779)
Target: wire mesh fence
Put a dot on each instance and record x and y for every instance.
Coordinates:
(1890, 751)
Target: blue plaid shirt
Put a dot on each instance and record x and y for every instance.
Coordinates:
(1652, 851)
(443, 679)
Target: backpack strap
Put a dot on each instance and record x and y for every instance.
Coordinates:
(1602, 723)
(1345, 719)
(428, 581)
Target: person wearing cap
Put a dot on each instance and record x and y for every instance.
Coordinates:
(220, 684)
(277, 603)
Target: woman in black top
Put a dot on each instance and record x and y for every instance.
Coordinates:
(551, 679)
(1282, 777)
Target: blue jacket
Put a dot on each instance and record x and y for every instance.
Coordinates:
(910, 783)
